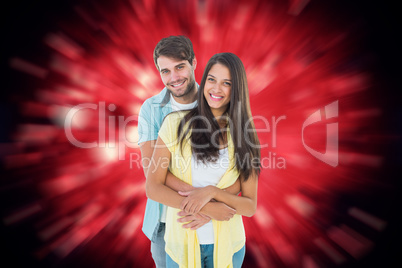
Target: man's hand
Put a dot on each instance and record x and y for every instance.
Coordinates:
(195, 221)
(219, 211)
(196, 199)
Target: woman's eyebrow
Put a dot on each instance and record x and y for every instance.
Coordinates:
(223, 79)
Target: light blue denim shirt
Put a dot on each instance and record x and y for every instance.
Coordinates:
(152, 113)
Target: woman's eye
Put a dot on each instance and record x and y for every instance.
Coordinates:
(227, 84)
(210, 79)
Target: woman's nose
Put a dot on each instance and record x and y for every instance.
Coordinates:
(216, 87)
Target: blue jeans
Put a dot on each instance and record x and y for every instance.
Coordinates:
(158, 247)
(207, 254)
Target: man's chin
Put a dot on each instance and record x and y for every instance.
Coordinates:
(182, 92)
(179, 94)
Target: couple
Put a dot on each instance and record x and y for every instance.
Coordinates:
(200, 150)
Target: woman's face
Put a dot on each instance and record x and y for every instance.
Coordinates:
(217, 89)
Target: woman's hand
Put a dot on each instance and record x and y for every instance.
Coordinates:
(196, 199)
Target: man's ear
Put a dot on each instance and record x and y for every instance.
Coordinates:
(194, 63)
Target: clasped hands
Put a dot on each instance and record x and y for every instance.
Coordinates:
(195, 200)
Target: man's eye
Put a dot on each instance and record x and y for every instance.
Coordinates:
(164, 72)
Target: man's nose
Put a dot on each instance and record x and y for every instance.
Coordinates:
(174, 75)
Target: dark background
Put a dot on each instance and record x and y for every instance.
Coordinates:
(26, 22)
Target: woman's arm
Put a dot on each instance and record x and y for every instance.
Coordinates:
(234, 189)
(157, 190)
(246, 204)
(156, 177)
(147, 149)
(172, 181)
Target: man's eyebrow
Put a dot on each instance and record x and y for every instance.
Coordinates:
(178, 65)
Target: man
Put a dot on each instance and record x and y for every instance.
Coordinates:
(175, 60)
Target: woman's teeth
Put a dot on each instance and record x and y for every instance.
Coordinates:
(215, 97)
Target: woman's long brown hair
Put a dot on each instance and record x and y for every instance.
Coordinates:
(245, 140)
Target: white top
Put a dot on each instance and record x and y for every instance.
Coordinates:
(206, 174)
(176, 107)
(179, 106)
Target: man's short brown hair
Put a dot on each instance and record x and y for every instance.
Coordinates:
(176, 47)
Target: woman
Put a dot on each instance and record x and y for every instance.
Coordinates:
(195, 145)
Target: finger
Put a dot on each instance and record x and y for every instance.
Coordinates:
(204, 216)
(195, 227)
(183, 213)
(188, 207)
(193, 206)
(183, 204)
(183, 193)
(186, 219)
(196, 223)
(197, 209)
(199, 224)
(190, 224)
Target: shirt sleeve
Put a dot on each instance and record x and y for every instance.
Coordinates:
(168, 131)
(147, 125)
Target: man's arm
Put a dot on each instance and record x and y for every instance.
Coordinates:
(246, 204)
(147, 149)
(159, 192)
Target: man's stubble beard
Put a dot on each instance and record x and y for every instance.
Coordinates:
(189, 89)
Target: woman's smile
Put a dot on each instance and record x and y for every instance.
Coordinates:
(217, 89)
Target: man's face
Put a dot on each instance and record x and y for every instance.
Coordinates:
(177, 75)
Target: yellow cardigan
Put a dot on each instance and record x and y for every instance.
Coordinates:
(182, 244)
